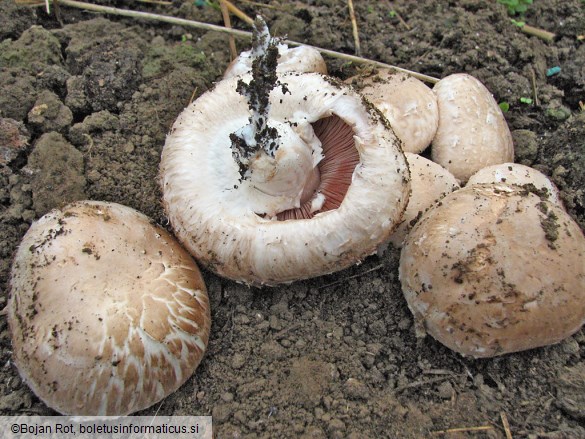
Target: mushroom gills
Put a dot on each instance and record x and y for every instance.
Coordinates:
(327, 185)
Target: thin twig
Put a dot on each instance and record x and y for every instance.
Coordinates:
(397, 15)
(354, 28)
(157, 2)
(357, 59)
(462, 430)
(238, 12)
(534, 88)
(236, 32)
(421, 383)
(506, 425)
(536, 32)
(438, 372)
(147, 16)
(377, 267)
(278, 335)
(192, 96)
(262, 5)
(227, 23)
(57, 12)
(401, 20)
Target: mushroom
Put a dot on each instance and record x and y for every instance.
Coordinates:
(514, 173)
(494, 269)
(472, 131)
(429, 182)
(108, 313)
(408, 104)
(283, 177)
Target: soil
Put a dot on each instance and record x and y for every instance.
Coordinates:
(86, 102)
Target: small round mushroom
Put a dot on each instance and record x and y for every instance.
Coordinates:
(495, 269)
(291, 59)
(108, 313)
(472, 131)
(330, 185)
(429, 182)
(515, 173)
(408, 104)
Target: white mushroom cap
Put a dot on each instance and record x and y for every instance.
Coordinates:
(108, 313)
(472, 132)
(295, 59)
(408, 104)
(429, 182)
(352, 193)
(515, 173)
(494, 269)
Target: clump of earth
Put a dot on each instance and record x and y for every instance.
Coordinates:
(87, 101)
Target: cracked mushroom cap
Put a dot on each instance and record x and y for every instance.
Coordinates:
(429, 182)
(108, 313)
(515, 173)
(408, 104)
(292, 59)
(472, 131)
(495, 269)
(335, 188)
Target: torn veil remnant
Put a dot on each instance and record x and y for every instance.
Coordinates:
(273, 177)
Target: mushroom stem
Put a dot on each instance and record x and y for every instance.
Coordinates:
(257, 136)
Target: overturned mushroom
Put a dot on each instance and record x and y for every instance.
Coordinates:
(269, 179)
(495, 269)
(514, 173)
(408, 104)
(108, 313)
(472, 131)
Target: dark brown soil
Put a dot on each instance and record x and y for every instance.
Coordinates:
(84, 110)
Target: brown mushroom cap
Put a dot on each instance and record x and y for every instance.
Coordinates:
(108, 313)
(408, 104)
(429, 182)
(472, 132)
(495, 269)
